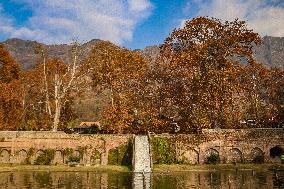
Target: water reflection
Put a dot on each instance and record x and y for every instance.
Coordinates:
(141, 181)
(239, 179)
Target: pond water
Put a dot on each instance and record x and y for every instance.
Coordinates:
(242, 179)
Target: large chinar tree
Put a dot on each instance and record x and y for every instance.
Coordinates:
(117, 72)
(203, 61)
(10, 92)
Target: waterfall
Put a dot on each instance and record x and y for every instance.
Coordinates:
(141, 157)
(141, 163)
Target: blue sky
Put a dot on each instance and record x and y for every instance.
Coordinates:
(130, 23)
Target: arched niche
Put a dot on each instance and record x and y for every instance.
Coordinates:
(257, 155)
(58, 157)
(36, 155)
(234, 156)
(275, 154)
(22, 156)
(212, 156)
(5, 156)
(190, 156)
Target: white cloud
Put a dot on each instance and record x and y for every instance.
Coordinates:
(264, 17)
(139, 5)
(5, 23)
(60, 21)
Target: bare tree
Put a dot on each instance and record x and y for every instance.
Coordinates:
(60, 80)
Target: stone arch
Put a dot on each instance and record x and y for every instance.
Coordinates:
(21, 156)
(257, 155)
(212, 156)
(5, 156)
(190, 156)
(275, 153)
(234, 156)
(58, 157)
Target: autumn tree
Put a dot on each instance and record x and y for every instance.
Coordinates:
(263, 95)
(53, 83)
(35, 115)
(117, 72)
(203, 60)
(11, 91)
(275, 117)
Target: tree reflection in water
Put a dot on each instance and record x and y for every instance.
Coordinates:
(238, 179)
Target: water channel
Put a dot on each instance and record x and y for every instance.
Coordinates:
(234, 179)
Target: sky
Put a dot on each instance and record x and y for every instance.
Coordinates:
(134, 24)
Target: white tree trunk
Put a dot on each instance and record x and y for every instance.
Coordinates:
(60, 92)
(47, 105)
(57, 102)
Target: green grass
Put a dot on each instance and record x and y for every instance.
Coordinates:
(157, 168)
(209, 167)
(59, 168)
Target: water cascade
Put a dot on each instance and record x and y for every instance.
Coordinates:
(141, 163)
(141, 157)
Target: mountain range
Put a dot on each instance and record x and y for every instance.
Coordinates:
(269, 53)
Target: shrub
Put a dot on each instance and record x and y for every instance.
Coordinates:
(45, 158)
(163, 151)
(67, 152)
(121, 155)
(30, 153)
(74, 159)
(213, 159)
(96, 157)
(258, 159)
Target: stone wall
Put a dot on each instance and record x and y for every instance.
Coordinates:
(20, 146)
(229, 146)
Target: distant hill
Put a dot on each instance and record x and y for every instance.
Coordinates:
(269, 53)
(24, 51)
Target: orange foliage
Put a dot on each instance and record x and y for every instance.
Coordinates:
(11, 92)
(118, 71)
(203, 62)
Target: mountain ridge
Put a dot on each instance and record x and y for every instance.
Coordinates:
(270, 52)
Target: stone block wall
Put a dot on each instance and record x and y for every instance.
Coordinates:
(26, 146)
(228, 145)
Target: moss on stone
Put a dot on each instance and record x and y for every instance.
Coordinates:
(121, 155)
(163, 151)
